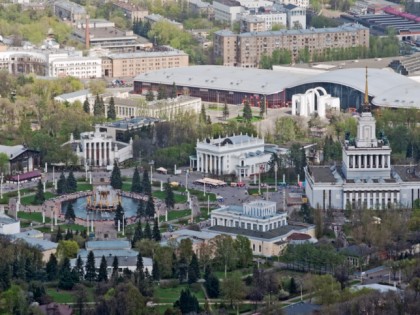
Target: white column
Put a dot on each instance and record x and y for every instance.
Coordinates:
(380, 200)
(219, 159)
(344, 200)
(386, 199)
(365, 161)
(371, 161)
(357, 198)
(351, 198)
(377, 160)
(389, 161)
(359, 161)
(398, 197)
(206, 163)
(392, 197)
(368, 199)
(362, 197)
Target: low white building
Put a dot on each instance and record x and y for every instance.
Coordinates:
(127, 257)
(78, 67)
(296, 16)
(241, 155)
(228, 11)
(8, 225)
(97, 148)
(255, 4)
(298, 3)
(265, 227)
(315, 100)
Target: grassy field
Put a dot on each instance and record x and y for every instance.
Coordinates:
(126, 186)
(63, 296)
(240, 119)
(11, 194)
(170, 295)
(176, 214)
(84, 186)
(73, 227)
(178, 198)
(32, 216)
(200, 195)
(29, 200)
(252, 191)
(203, 211)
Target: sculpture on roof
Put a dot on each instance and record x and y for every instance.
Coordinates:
(366, 105)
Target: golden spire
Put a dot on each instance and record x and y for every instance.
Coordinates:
(366, 102)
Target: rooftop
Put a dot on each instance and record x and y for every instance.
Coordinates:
(108, 244)
(268, 235)
(229, 3)
(70, 6)
(4, 219)
(407, 173)
(147, 54)
(72, 95)
(131, 123)
(322, 174)
(39, 243)
(12, 151)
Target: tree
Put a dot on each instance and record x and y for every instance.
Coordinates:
(185, 249)
(233, 289)
(147, 231)
(97, 107)
(115, 266)
(4, 162)
(79, 270)
(111, 114)
(116, 180)
(52, 268)
(203, 115)
(292, 286)
(39, 196)
(193, 270)
(225, 111)
(247, 115)
(80, 298)
(243, 251)
(139, 265)
(103, 273)
(150, 208)
(150, 96)
(71, 183)
(86, 106)
(141, 211)
(138, 234)
(212, 285)
(67, 277)
(119, 216)
(262, 107)
(90, 270)
(187, 303)
(70, 215)
(162, 93)
(156, 232)
(327, 290)
(147, 186)
(225, 253)
(136, 186)
(155, 271)
(67, 249)
(174, 92)
(62, 184)
(169, 196)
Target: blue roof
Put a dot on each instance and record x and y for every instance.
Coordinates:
(109, 252)
(109, 244)
(40, 243)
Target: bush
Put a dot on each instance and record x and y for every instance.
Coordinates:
(169, 284)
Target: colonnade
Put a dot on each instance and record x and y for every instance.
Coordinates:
(369, 161)
(98, 153)
(371, 198)
(210, 163)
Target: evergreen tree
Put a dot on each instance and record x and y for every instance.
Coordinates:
(208, 120)
(119, 215)
(97, 106)
(162, 95)
(212, 286)
(136, 186)
(155, 271)
(138, 234)
(225, 111)
(147, 231)
(90, 270)
(147, 186)
(86, 106)
(174, 90)
(71, 183)
(69, 235)
(150, 208)
(62, 184)
(116, 180)
(103, 273)
(79, 268)
(39, 196)
(139, 266)
(169, 196)
(115, 266)
(150, 96)
(67, 278)
(70, 215)
(187, 303)
(203, 115)
(111, 114)
(193, 270)
(140, 210)
(59, 234)
(156, 232)
(247, 115)
(102, 107)
(262, 107)
(52, 268)
(292, 286)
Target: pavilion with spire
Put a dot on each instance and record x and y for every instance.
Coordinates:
(365, 177)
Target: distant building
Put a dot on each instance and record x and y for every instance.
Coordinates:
(228, 11)
(127, 257)
(80, 67)
(132, 64)
(117, 129)
(298, 3)
(8, 225)
(246, 49)
(255, 4)
(242, 155)
(69, 11)
(99, 149)
(55, 309)
(202, 8)
(131, 11)
(259, 221)
(21, 159)
(36, 239)
(154, 18)
(296, 17)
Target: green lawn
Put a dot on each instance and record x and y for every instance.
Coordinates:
(126, 186)
(11, 194)
(176, 214)
(200, 195)
(178, 198)
(84, 186)
(240, 119)
(252, 191)
(73, 227)
(32, 216)
(203, 211)
(29, 200)
(63, 296)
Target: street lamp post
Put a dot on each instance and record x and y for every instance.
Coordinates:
(151, 163)
(259, 181)
(1, 185)
(204, 188)
(18, 187)
(208, 205)
(186, 179)
(276, 168)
